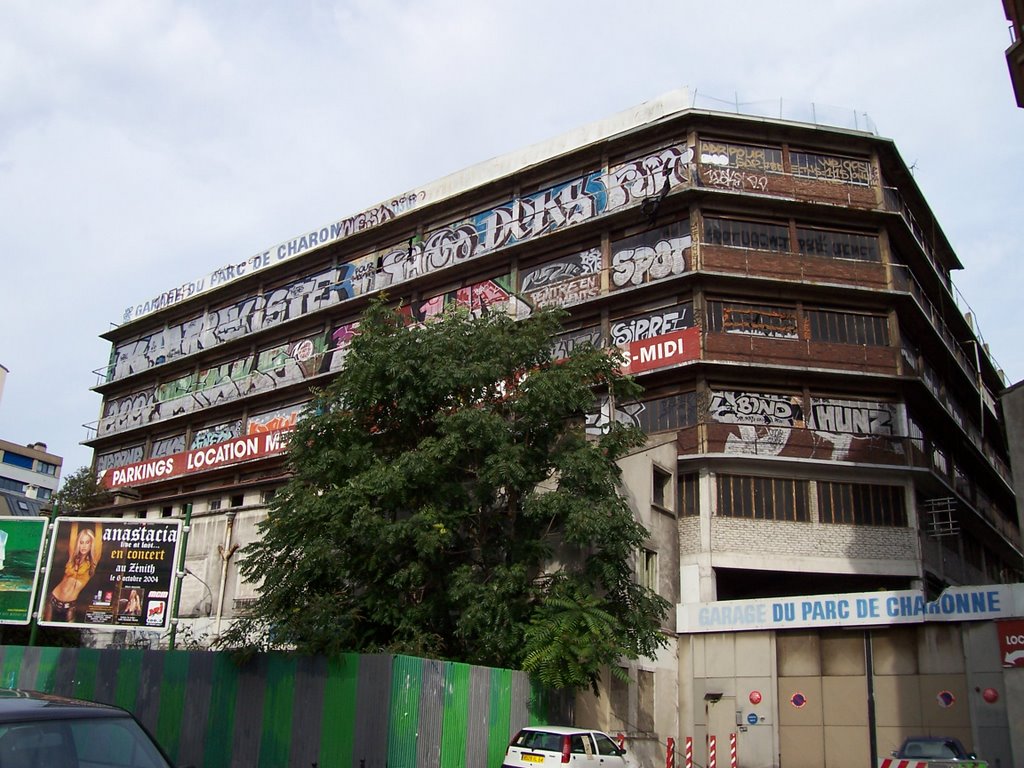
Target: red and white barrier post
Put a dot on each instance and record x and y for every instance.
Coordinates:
(712, 752)
(688, 757)
(620, 739)
(670, 753)
(732, 750)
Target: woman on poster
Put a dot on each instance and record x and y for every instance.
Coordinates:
(80, 568)
(134, 603)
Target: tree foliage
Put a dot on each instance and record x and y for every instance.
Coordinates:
(446, 502)
(80, 491)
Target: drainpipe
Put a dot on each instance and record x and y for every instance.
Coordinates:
(179, 574)
(226, 550)
(869, 663)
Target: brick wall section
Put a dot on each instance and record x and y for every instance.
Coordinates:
(689, 535)
(809, 539)
(814, 269)
(787, 186)
(751, 349)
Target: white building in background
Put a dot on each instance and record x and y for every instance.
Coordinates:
(29, 470)
(29, 474)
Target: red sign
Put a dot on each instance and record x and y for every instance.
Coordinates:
(755, 697)
(1011, 642)
(199, 460)
(662, 351)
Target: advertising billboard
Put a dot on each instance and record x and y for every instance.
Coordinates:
(236, 451)
(110, 573)
(21, 552)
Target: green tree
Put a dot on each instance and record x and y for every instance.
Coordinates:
(80, 491)
(446, 502)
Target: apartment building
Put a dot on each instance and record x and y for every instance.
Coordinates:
(827, 469)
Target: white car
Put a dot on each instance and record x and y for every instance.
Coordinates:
(546, 745)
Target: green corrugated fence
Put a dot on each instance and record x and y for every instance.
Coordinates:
(277, 710)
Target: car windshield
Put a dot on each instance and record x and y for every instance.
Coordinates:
(106, 742)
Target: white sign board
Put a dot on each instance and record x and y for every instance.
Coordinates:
(1000, 601)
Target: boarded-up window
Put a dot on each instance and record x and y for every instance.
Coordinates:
(657, 254)
(837, 245)
(747, 157)
(773, 321)
(758, 235)
(687, 495)
(815, 165)
(645, 701)
(762, 498)
(861, 504)
(848, 328)
(618, 698)
(672, 412)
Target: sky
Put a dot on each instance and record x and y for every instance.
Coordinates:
(144, 143)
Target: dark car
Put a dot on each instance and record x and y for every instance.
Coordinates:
(40, 730)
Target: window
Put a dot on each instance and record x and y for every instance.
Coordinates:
(746, 234)
(605, 746)
(17, 460)
(814, 165)
(267, 496)
(687, 495)
(861, 504)
(775, 322)
(848, 328)
(648, 570)
(668, 413)
(618, 699)
(91, 742)
(46, 468)
(661, 491)
(748, 157)
(6, 484)
(762, 498)
(973, 551)
(166, 512)
(44, 493)
(214, 504)
(580, 744)
(645, 701)
(837, 245)
(237, 500)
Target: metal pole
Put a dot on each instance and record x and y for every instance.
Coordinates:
(179, 574)
(870, 663)
(42, 580)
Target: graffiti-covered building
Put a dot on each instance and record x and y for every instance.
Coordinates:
(826, 449)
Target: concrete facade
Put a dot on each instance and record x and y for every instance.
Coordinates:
(821, 415)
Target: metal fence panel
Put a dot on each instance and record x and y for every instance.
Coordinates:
(275, 710)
